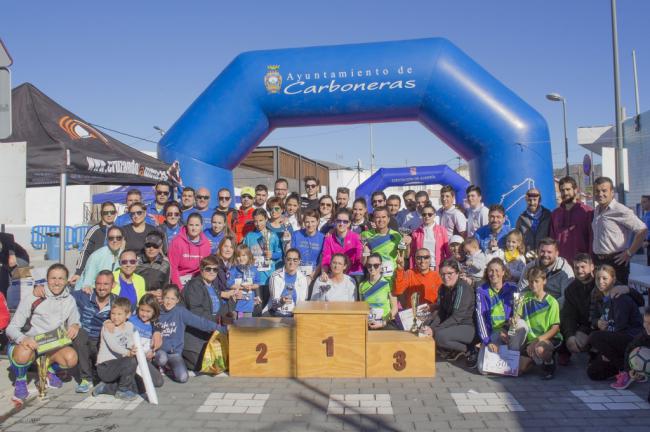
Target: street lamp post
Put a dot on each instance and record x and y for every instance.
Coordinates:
(554, 97)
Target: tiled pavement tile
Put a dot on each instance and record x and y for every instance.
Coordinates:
(474, 402)
(107, 402)
(234, 403)
(359, 403)
(612, 400)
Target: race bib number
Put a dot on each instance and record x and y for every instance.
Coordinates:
(387, 268)
(307, 270)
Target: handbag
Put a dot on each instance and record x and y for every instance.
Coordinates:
(215, 355)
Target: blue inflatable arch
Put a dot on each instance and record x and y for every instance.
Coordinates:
(504, 140)
(422, 175)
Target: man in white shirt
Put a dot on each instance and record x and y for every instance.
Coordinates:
(477, 213)
(450, 216)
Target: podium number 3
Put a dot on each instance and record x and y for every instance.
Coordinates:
(329, 346)
(261, 357)
(400, 360)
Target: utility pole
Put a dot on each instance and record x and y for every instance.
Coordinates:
(620, 163)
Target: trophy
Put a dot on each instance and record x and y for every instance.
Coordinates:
(364, 243)
(517, 305)
(401, 247)
(267, 244)
(43, 362)
(415, 298)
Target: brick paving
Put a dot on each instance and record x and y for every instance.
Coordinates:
(457, 399)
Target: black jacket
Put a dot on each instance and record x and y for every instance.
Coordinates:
(574, 315)
(532, 238)
(94, 239)
(455, 306)
(198, 301)
(622, 313)
(156, 273)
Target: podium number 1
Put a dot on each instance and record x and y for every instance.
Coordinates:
(261, 357)
(329, 346)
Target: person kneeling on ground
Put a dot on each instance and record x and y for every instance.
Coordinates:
(541, 313)
(453, 322)
(495, 303)
(627, 376)
(616, 321)
(36, 316)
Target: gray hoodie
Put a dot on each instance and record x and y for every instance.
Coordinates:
(53, 312)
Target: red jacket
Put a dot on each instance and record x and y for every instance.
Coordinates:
(4, 312)
(244, 223)
(185, 257)
(442, 243)
(572, 230)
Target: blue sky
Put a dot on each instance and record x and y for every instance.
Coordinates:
(130, 65)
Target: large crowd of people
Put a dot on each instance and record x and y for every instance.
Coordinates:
(549, 284)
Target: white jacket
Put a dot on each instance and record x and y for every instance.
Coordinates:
(276, 286)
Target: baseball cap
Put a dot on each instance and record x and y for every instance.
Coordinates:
(153, 239)
(247, 191)
(456, 239)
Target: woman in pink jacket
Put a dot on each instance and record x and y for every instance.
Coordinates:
(343, 240)
(187, 250)
(431, 236)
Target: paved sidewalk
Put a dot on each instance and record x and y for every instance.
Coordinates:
(456, 399)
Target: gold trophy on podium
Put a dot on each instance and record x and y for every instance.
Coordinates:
(415, 299)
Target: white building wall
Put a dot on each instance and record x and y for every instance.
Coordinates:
(638, 153)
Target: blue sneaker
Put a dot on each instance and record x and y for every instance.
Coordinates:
(83, 387)
(20, 391)
(126, 395)
(54, 381)
(99, 389)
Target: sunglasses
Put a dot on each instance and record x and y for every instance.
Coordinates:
(423, 257)
(151, 245)
(166, 193)
(211, 269)
(310, 186)
(129, 262)
(115, 238)
(203, 197)
(342, 222)
(373, 266)
(276, 209)
(171, 214)
(136, 213)
(427, 214)
(223, 198)
(108, 212)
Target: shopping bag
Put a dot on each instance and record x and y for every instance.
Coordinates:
(215, 356)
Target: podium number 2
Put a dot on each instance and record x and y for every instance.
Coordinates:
(400, 360)
(329, 346)
(261, 357)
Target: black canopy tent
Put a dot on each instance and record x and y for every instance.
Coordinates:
(62, 149)
(95, 157)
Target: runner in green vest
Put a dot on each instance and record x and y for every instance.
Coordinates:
(376, 291)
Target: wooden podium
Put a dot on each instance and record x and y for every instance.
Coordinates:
(262, 347)
(331, 339)
(399, 354)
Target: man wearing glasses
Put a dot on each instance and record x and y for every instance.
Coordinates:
(156, 209)
(224, 207)
(244, 221)
(95, 238)
(535, 222)
(422, 280)
(153, 265)
(281, 189)
(132, 196)
(311, 200)
(202, 208)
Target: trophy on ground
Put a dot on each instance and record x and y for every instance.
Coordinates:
(43, 362)
(517, 305)
(415, 298)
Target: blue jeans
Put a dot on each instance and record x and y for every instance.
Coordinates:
(175, 363)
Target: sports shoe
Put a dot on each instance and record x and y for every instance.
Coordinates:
(453, 356)
(623, 381)
(20, 391)
(548, 370)
(126, 395)
(53, 381)
(83, 387)
(99, 389)
(641, 378)
(472, 358)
